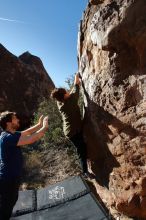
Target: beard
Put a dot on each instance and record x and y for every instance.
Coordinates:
(15, 126)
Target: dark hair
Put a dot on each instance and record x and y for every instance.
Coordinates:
(58, 94)
(6, 117)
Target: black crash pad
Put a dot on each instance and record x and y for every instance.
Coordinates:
(70, 199)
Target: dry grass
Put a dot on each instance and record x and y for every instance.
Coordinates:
(49, 167)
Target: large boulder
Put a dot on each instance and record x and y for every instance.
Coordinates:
(24, 82)
(112, 63)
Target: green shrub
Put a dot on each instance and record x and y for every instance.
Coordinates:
(53, 158)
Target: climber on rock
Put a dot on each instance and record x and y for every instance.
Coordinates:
(67, 103)
(11, 157)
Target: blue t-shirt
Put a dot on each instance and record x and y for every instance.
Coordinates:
(10, 156)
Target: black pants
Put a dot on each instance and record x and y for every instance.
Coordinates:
(8, 197)
(80, 145)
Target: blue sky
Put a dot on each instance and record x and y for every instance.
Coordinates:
(45, 28)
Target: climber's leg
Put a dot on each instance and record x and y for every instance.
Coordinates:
(80, 145)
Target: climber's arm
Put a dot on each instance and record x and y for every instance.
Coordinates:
(75, 90)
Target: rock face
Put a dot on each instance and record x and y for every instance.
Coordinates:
(112, 62)
(23, 83)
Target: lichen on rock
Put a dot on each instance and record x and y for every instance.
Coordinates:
(112, 63)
